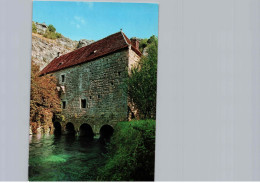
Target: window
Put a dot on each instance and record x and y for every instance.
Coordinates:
(119, 73)
(90, 97)
(99, 96)
(62, 78)
(63, 104)
(112, 83)
(83, 103)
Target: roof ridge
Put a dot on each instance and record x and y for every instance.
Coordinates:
(124, 37)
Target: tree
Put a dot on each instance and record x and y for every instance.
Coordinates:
(44, 101)
(142, 82)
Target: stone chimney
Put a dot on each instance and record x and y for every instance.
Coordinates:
(135, 43)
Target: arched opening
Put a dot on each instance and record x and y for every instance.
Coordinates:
(85, 130)
(106, 131)
(57, 128)
(70, 128)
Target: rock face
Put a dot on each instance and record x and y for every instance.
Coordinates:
(44, 50)
(84, 42)
(41, 27)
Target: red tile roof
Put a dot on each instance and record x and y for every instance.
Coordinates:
(88, 53)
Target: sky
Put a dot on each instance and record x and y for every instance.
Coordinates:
(96, 20)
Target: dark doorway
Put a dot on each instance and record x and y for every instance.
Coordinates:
(106, 132)
(70, 128)
(85, 130)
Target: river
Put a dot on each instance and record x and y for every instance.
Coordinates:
(64, 158)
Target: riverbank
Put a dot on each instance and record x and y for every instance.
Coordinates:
(131, 153)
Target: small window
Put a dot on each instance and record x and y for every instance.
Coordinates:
(62, 78)
(90, 97)
(83, 103)
(63, 104)
(119, 73)
(99, 96)
(112, 83)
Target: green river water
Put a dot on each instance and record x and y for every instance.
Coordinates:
(64, 158)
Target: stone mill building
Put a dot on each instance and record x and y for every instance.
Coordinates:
(91, 82)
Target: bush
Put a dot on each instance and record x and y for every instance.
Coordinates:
(152, 39)
(51, 28)
(131, 153)
(142, 82)
(142, 44)
(52, 35)
(58, 35)
(34, 29)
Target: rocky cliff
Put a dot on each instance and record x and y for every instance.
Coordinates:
(44, 50)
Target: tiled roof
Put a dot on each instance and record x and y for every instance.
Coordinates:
(88, 53)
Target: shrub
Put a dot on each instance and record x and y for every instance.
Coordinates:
(142, 44)
(52, 35)
(34, 29)
(131, 153)
(51, 28)
(58, 35)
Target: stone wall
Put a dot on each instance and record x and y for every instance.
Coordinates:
(133, 59)
(101, 84)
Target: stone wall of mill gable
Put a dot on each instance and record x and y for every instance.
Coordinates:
(101, 83)
(133, 61)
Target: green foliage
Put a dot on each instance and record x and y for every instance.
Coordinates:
(142, 44)
(34, 29)
(58, 35)
(51, 28)
(142, 82)
(152, 39)
(52, 35)
(147, 42)
(131, 153)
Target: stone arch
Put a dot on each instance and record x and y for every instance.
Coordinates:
(85, 130)
(57, 128)
(106, 132)
(70, 129)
